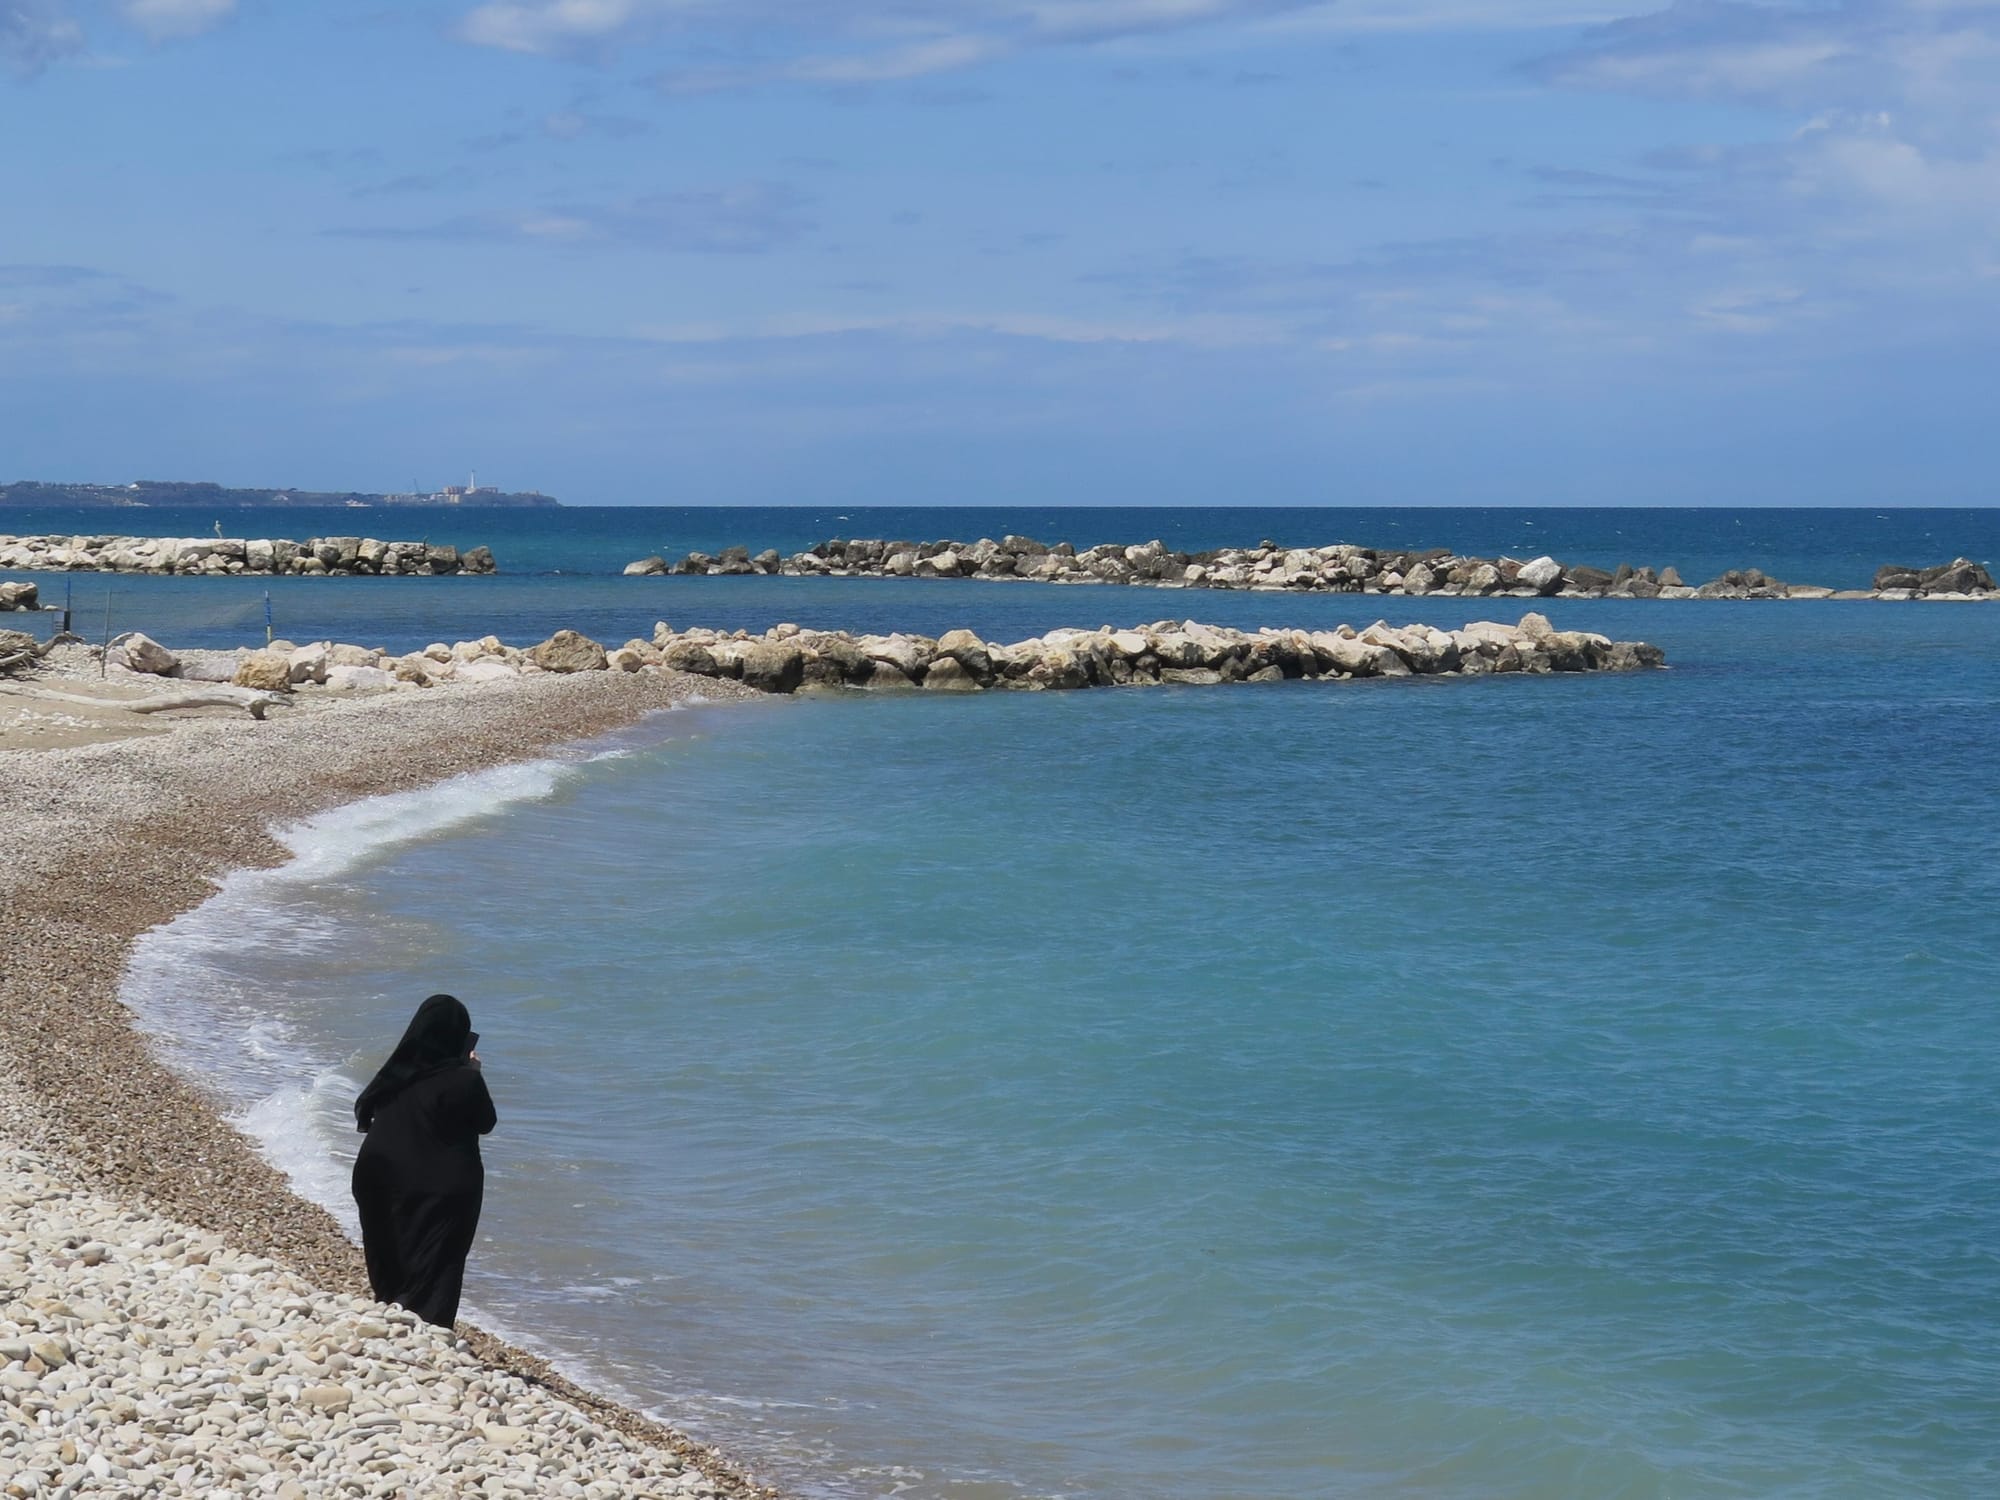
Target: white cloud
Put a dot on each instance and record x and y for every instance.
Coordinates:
(1208, 332)
(843, 41)
(164, 20)
(741, 219)
(33, 35)
(1860, 54)
(1749, 309)
(550, 25)
(919, 59)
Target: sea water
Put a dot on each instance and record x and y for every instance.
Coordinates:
(563, 568)
(1503, 1087)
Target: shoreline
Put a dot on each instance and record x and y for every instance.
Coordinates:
(117, 838)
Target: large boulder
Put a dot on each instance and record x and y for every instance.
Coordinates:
(689, 656)
(353, 679)
(1544, 575)
(310, 662)
(771, 667)
(947, 675)
(1354, 657)
(485, 669)
(18, 595)
(646, 567)
(1959, 576)
(1632, 656)
(907, 654)
(843, 661)
(1056, 666)
(141, 653)
(969, 651)
(566, 651)
(1573, 650)
(209, 666)
(266, 671)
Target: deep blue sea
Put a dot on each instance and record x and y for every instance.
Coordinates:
(1500, 1089)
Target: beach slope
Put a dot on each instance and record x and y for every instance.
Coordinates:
(109, 835)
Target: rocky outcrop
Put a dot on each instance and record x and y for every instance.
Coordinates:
(1339, 568)
(207, 556)
(1169, 651)
(19, 596)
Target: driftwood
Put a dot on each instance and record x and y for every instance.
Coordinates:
(215, 695)
(19, 648)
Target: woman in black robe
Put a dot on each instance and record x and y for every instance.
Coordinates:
(418, 1180)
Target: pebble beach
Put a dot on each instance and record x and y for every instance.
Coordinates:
(173, 1318)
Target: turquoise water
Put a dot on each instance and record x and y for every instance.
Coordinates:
(1499, 1088)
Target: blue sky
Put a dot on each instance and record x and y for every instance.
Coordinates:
(1090, 251)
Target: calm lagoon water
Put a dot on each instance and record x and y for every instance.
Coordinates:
(1501, 1088)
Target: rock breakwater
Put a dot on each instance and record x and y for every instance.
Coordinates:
(1337, 568)
(787, 658)
(274, 556)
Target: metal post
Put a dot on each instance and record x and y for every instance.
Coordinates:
(104, 653)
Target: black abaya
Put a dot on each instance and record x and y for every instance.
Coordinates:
(418, 1180)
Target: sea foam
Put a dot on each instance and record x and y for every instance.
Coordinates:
(199, 984)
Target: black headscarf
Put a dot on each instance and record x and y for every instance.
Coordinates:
(438, 1037)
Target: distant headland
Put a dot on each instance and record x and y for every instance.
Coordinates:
(168, 492)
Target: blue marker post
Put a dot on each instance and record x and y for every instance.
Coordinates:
(267, 617)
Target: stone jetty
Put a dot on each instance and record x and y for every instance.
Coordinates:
(1337, 568)
(208, 556)
(788, 658)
